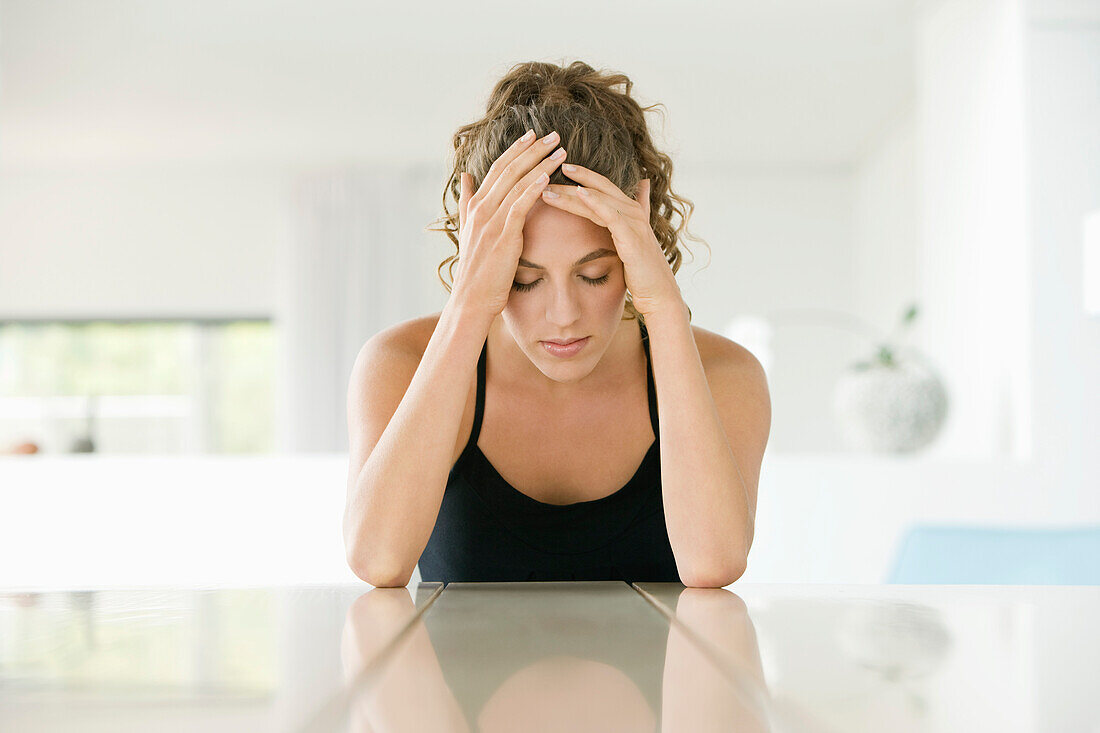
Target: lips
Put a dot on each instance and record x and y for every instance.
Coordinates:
(563, 343)
(566, 350)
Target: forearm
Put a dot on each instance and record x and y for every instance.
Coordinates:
(705, 500)
(400, 487)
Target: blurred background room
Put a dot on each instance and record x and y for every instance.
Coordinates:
(206, 208)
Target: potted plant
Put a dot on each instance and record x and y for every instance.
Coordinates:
(892, 402)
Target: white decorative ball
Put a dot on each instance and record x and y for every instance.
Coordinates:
(890, 408)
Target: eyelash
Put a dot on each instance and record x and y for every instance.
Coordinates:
(524, 287)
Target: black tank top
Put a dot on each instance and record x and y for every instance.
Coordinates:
(487, 530)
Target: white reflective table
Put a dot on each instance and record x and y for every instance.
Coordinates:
(553, 656)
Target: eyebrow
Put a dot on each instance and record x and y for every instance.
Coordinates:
(595, 255)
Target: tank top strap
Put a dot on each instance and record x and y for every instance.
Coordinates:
(651, 386)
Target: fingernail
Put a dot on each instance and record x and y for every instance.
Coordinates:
(566, 166)
(551, 138)
(550, 194)
(527, 136)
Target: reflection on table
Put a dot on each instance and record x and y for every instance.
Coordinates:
(553, 656)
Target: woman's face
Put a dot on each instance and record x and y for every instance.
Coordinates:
(556, 299)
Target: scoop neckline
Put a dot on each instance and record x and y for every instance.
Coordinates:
(524, 502)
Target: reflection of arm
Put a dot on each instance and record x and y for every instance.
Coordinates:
(405, 690)
(697, 694)
(373, 619)
(722, 618)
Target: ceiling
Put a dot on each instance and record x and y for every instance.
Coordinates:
(786, 83)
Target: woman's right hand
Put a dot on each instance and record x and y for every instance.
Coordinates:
(490, 235)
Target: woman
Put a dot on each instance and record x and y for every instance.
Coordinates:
(516, 435)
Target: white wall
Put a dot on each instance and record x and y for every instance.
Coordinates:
(971, 212)
(885, 220)
(359, 261)
(140, 241)
(780, 239)
(1064, 163)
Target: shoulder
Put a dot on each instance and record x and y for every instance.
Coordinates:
(725, 358)
(394, 353)
(736, 377)
(408, 338)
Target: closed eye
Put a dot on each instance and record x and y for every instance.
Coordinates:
(524, 287)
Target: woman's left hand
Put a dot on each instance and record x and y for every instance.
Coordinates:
(649, 278)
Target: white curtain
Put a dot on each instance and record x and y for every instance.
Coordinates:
(357, 261)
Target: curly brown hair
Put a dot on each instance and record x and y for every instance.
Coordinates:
(603, 129)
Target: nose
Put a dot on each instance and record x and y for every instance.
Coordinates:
(564, 307)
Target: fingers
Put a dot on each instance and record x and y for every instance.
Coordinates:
(517, 212)
(568, 200)
(591, 179)
(609, 208)
(498, 166)
(546, 167)
(515, 171)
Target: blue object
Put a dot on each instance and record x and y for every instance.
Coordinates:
(998, 556)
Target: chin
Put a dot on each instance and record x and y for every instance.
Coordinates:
(565, 373)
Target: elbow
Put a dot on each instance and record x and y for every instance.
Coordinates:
(715, 577)
(378, 575)
(381, 578)
(381, 572)
(388, 581)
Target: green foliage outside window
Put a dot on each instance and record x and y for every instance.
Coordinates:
(231, 364)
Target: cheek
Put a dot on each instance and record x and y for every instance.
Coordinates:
(614, 292)
(521, 306)
(612, 301)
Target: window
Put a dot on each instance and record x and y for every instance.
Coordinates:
(183, 645)
(137, 386)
